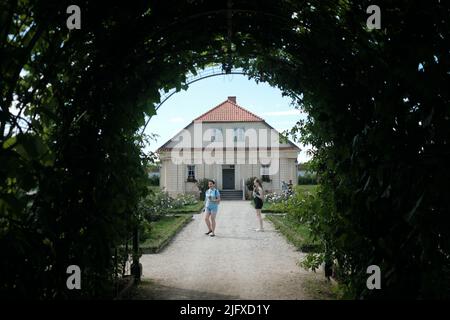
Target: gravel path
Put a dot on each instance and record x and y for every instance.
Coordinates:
(236, 264)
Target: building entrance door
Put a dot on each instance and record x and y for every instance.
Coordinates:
(228, 177)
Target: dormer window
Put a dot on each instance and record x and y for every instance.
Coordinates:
(216, 134)
(239, 134)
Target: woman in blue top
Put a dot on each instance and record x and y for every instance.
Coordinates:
(212, 200)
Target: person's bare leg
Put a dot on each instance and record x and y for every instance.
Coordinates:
(208, 223)
(213, 223)
(260, 220)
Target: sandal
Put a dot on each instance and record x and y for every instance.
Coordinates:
(212, 235)
(207, 233)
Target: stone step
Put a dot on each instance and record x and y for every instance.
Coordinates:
(231, 194)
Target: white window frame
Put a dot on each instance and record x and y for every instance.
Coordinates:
(265, 169)
(191, 168)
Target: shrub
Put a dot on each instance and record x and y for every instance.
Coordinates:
(202, 186)
(157, 204)
(314, 211)
(184, 200)
(274, 197)
(304, 208)
(144, 230)
(249, 183)
(307, 179)
(154, 180)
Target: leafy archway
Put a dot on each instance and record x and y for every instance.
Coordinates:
(72, 170)
(208, 72)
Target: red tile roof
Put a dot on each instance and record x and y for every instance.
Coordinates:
(228, 111)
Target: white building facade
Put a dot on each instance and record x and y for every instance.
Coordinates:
(228, 144)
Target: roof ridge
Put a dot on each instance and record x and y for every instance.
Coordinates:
(210, 110)
(242, 108)
(232, 103)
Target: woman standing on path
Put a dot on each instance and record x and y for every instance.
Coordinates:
(258, 198)
(212, 200)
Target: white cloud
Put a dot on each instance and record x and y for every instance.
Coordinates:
(293, 112)
(177, 119)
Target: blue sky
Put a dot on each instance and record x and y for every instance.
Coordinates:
(263, 100)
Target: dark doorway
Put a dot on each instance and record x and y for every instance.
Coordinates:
(228, 177)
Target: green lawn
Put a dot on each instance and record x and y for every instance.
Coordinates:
(190, 208)
(307, 187)
(270, 207)
(162, 231)
(273, 207)
(297, 234)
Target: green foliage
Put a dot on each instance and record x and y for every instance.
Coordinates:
(162, 231)
(72, 171)
(273, 207)
(275, 197)
(306, 188)
(189, 208)
(249, 183)
(322, 289)
(298, 234)
(284, 202)
(145, 230)
(299, 208)
(154, 180)
(307, 179)
(378, 126)
(311, 209)
(185, 200)
(312, 261)
(202, 185)
(158, 204)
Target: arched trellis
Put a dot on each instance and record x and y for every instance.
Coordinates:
(213, 71)
(355, 97)
(216, 70)
(210, 72)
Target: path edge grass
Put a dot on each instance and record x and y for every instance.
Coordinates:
(298, 240)
(162, 243)
(189, 209)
